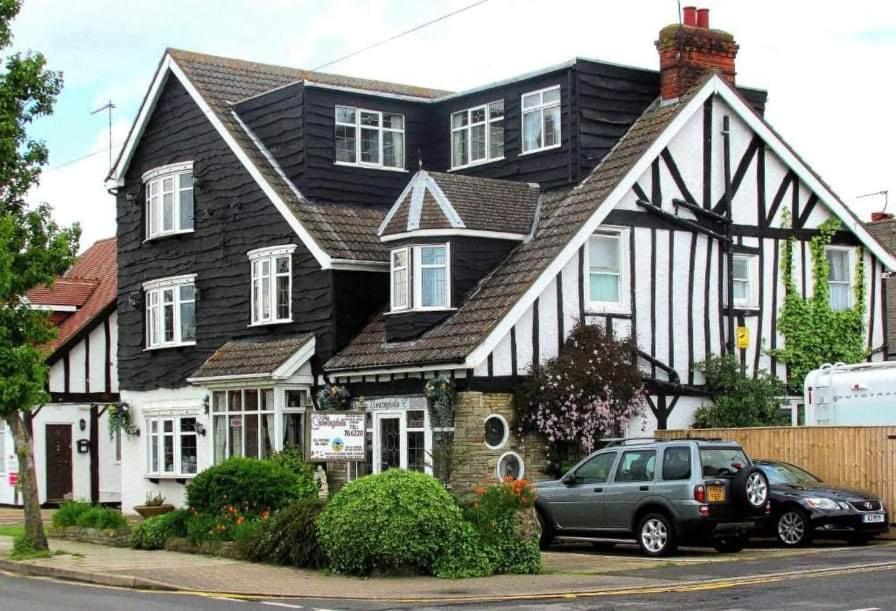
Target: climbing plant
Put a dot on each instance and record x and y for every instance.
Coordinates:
(814, 333)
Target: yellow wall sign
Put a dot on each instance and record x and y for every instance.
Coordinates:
(743, 337)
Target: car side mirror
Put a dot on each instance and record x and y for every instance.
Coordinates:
(569, 479)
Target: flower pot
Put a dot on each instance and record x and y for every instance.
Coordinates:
(149, 511)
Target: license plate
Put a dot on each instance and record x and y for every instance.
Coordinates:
(716, 494)
(873, 518)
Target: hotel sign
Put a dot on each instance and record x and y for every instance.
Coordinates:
(336, 436)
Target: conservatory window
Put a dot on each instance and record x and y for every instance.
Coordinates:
(243, 423)
(271, 284)
(172, 446)
(839, 283)
(541, 119)
(169, 200)
(477, 135)
(170, 312)
(369, 138)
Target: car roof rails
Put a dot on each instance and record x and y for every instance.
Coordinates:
(621, 441)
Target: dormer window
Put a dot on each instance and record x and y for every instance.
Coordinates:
(477, 135)
(541, 119)
(369, 138)
(169, 200)
(427, 286)
(272, 284)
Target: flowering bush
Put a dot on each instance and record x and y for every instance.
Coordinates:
(590, 390)
(120, 420)
(231, 524)
(441, 395)
(288, 537)
(333, 397)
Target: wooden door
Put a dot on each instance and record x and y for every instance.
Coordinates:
(59, 461)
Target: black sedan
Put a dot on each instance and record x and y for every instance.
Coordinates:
(803, 507)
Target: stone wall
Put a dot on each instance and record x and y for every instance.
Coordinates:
(474, 463)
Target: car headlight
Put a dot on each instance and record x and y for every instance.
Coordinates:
(820, 503)
(843, 505)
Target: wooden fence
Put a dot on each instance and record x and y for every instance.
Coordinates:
(861, 457)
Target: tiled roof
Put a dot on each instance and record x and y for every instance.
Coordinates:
(562, 215)
(484, 204)
(343, 231)
(97, 267)
(251, 356)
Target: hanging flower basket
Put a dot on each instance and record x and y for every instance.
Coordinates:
(120, 420)
(333, 397)
(441, 395)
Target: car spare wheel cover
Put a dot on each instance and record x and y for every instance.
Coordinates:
(750, 488)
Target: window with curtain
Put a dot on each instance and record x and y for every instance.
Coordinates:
(172, 444)
(271, 299)
(541, 119)
(243, 423)
(839, 282)
(294, 419)
(477, 135)
(170, 312)
(369, 138)
(169, 200)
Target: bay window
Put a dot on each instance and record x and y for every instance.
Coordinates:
(607, 273)
(420, 277)
(432, 270)
(271, 300)
(169, 200)
(541, 119)
(839, 278)
(172, 444)
(243, 423)
(369, 138)
(477, 135)
(170, 311)
(400, 278)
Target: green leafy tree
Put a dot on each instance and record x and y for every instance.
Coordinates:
(738, 399)
(33, 250)
(814, 333)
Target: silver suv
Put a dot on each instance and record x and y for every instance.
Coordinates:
(662, 493)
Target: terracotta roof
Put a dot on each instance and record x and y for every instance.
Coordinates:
(343, 231)
(251, 356)
(96, 267)
(561, 216)
(466, 202)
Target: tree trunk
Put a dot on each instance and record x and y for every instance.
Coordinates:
(34, 526)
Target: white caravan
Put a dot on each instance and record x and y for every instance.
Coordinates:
(862, 394)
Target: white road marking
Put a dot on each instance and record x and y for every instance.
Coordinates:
(276, 604)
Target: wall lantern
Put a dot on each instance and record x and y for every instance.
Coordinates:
(82, 424)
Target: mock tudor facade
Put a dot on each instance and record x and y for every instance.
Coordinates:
(281, 229)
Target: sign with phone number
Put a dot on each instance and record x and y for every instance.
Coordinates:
(336, 436)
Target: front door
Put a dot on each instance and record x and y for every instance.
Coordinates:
(401, 440)
(59, 461)
(388, 428)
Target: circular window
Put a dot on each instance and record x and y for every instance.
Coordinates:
(496, 431)
(510, 465)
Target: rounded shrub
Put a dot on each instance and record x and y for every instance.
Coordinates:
(152, 533)
(288, 537)
(251, 485)
(101, 518)
(394, 520)
(294, 460)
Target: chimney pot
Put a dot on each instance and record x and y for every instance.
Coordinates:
(703, 18)
(881, 216)
(690, 15)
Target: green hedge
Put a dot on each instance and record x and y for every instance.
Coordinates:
(390, 521)
(85, 515)
(153, 532)
(251, 486)
(69, 512)
(289, 537)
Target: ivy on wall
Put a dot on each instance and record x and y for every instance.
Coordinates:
(814, 333)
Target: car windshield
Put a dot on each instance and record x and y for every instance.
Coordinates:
(783, 473)
(722, 461)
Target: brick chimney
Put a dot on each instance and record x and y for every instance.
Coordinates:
(881, 216)
(690, 49)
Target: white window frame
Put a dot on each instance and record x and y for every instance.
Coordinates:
(506, 436)
(417, 263)
(157, 439)
(623, 305)
(751, 299)
(153, 182)
(154, 291)
(487, 122)
(256, 259)
(501, 459)
(228, 414)
(395, 307)
(540, 108)
(403, 429)
(851, 274)
(380, 129)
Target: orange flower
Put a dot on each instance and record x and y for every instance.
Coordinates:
(480, 490)
(265, 515)
(240, 520)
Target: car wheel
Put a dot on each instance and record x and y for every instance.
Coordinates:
(860, 539)
(547, 533)
(730, 546)
(656, 537)
(793, 529)
(750, 488)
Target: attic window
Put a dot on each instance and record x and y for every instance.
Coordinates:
(477, 135)
(169, 200)
(541, 119)
(369, 138)
(420, 277)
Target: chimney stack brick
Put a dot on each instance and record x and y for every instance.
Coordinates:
(687, 52)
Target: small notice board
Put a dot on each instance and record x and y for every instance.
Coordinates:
(335, 437)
